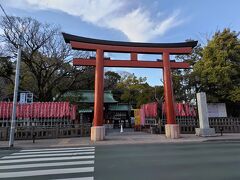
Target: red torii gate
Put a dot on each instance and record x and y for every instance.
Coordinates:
(101, 46)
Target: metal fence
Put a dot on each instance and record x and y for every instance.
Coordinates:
(42, 120)
(47, 132)
(188, 125)
(61, 130)
(228, 125)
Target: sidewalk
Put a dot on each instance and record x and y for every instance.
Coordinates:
(114, 138)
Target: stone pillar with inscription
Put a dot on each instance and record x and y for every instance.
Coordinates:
(204, 129)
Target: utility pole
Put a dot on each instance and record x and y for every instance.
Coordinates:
(15, 97)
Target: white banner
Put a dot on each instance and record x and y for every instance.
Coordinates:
(22, 98)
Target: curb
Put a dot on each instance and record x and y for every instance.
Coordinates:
(222, 140)
(8, 148)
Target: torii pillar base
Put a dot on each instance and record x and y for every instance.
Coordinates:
(97, 133)
(172, 131)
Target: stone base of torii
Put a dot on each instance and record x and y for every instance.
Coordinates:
(172, 131)
(97, 133)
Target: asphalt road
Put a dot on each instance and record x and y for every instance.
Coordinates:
(204, 161)
(193, 161)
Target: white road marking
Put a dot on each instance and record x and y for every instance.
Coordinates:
(45, 172)
(80, 178)
(46, 164)
(60, 160)
(56, 149)
(48, 155)
(46, 159)
(49, 152)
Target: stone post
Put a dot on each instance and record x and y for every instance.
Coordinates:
(204, 129)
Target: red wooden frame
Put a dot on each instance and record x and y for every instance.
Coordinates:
(101, 46)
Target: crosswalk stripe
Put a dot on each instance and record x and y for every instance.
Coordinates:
(49, 152)
(45, 172)
(49, 161)
(46, 159)
(46, 165)
(48, 155)
(82, 178)
(56, 149)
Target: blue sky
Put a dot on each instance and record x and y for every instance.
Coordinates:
(134, 20)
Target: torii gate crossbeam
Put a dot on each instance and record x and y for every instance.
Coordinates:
(101, 46)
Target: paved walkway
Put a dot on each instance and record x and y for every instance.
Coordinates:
(114, 138)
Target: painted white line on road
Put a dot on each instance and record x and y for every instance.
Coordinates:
(46, 165)
(45, 172)
(48, 155)
(80, 178)
(46, 159)
(49, 152)
(56, 149)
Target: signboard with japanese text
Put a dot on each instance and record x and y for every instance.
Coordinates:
(26, 97)
(137, 120)
(217, 110)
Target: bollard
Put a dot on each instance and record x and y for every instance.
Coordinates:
(121, 131)
(221, 130)
(34, 137)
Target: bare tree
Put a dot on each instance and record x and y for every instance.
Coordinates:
(46, 58)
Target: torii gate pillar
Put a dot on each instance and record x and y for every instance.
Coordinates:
(171, 128)
(98, 130)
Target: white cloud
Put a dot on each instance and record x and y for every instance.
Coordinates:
(1, 31)
(88, 10)
(137, 24)
(168, 23)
